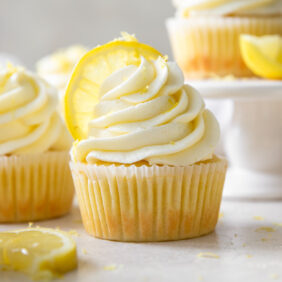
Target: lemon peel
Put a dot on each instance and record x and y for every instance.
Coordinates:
(41, 253)
(263, 55)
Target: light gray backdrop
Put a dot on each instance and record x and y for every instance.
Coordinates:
(30, 29)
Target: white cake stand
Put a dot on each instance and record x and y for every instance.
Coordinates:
(238, 89)
(250, 114)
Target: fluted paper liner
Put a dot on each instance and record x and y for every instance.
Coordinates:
(205, 47)
(35, 186)
(149, 203)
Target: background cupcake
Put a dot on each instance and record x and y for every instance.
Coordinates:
(57, 67)
(35, 182)
(205, 34)
(143, 167)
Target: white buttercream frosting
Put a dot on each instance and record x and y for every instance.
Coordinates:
(146, 113)
(190, 8)
(29, 122)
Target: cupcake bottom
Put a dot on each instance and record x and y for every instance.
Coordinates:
(149, 203)
(209, 47)
(35, 186)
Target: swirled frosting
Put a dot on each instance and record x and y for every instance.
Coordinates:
(29, 122)
(56, 68)
(146, 113)
(190, 8)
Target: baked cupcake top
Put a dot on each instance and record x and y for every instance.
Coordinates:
(145, 112)
(29, 122)
(190, 8)
(56, 68)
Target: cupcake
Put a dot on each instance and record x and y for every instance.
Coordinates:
(57, 67)
(35, 181)
(205, 34)
(145, 170)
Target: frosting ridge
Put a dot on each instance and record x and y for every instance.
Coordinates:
(29, 122)
(146, 113)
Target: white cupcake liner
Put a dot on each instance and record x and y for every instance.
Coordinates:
(35, 186)
(149, 203)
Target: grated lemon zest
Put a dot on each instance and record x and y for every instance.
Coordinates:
(208, 255)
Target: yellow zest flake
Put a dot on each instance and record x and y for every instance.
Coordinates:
(30, 224)
(221, 215)
(128, 37)
(265, 228)
(208, 255)
(11, 68)
(259, 218)
(229, 77)
(79, 220)
(110, 267)
(73, 233)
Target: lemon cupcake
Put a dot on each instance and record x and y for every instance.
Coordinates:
(35, 182)
(205, 34)
(143, 163)
(57, 67)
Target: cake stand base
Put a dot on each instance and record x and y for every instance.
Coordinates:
(252, 185)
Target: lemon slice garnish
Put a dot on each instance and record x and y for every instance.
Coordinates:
(83, 89)
(39, 252)
(263, 55)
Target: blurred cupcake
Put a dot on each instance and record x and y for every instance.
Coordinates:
(146, 171)
(35, 182)
(205, 34)
(57, 67)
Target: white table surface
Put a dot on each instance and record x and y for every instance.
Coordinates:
(245, 252)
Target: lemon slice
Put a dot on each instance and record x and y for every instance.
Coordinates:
(39, 252)
(83, 89)
(263, 55)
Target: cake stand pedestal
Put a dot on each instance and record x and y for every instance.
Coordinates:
(250, 115)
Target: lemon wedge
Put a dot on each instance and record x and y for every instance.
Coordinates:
(39, 252)
(263, 55)
(82, 92)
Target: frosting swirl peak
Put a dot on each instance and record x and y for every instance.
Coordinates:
(146, 113)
